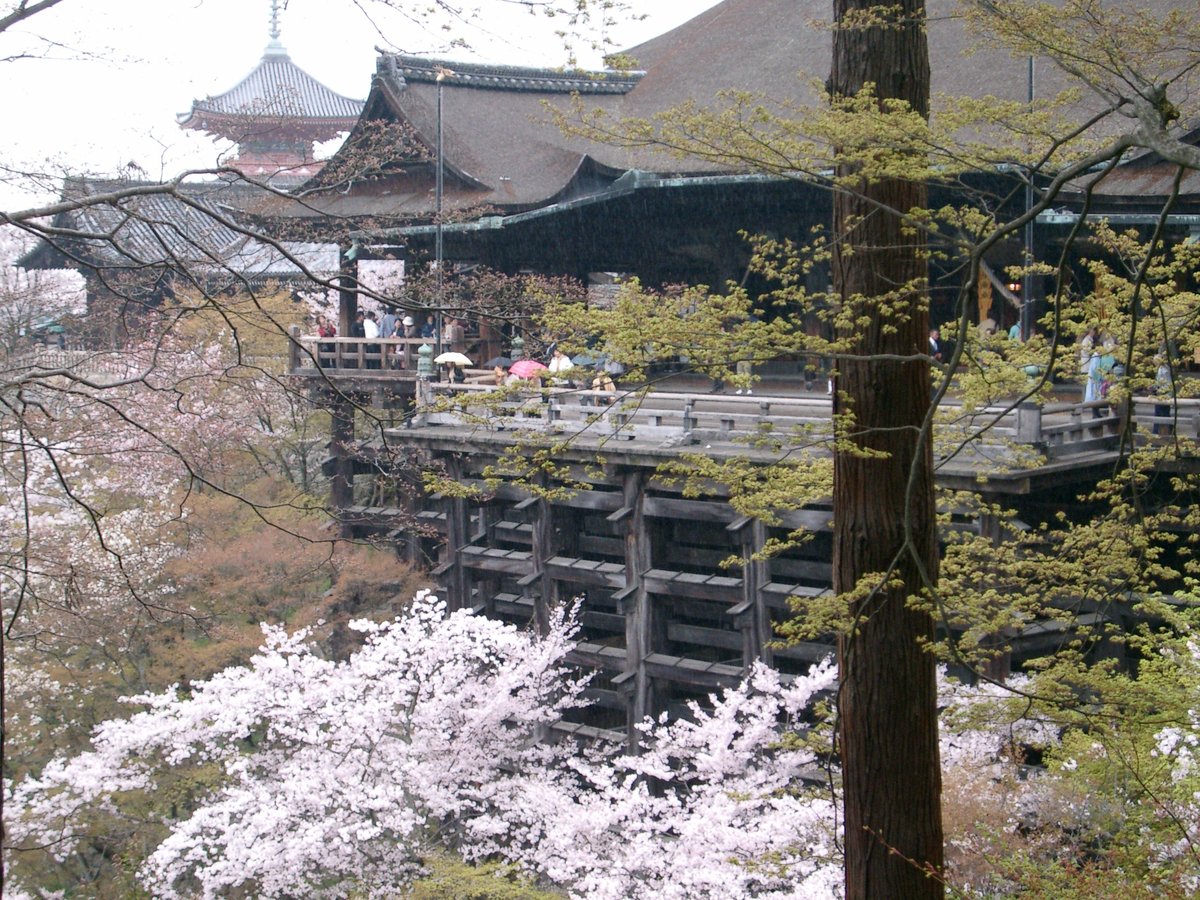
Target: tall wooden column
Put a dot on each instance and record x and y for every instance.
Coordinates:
(754, 618)
(636, 604)
(458, 588)
(341, 486)
(488, 586)
(347, 290)
(542, 546)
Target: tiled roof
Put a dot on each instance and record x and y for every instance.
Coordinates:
(145, 229)
(276, 88)
(180, 230)
(503, 152)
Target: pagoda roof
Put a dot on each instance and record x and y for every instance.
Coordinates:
(276, 90)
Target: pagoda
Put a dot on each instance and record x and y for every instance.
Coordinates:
(274, 115)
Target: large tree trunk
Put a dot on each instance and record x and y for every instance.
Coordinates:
(888, 699)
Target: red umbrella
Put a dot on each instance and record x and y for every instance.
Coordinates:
(526, 368)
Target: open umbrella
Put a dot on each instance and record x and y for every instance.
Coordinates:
(454, 357)
(502, 361)
(588, 360)
(526, 368)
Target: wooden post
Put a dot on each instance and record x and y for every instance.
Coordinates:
(753, 615)
(347, 293)
(294, 355)
(636, 603)
(542, 546)
(457, 537)
(341, 486)
(998, 667)
(412, 538)
(755, 575)
(489, 587)
(1029, 422)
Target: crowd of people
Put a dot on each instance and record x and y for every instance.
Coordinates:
(392, 323)
(1098, 369)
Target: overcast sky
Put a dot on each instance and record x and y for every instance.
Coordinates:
(113, 74)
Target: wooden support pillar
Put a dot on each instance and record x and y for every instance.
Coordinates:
(411, 551)
(755, 618)
(635, 603)
(999, 667)
(457, 536)
(542, 546)
(347, 290)
(341, 486)
(488, 587)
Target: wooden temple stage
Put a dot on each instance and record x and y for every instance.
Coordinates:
(664, 616)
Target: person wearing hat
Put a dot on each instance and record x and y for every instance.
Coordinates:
(407, 328)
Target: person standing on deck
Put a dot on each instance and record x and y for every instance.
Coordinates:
(1101, 368)
(560, 364)
(1087, 346)
(387, 325)
(370, 331)
(387, 329)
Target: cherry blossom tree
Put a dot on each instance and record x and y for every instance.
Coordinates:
(336, 774)
(729, 801)
(327, 777)
(340, 775)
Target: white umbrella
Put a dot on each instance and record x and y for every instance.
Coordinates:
(453, 356)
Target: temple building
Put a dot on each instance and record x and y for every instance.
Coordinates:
(275, 115)
(480, 161)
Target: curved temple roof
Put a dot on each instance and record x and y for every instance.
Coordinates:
(504, 153)
(278, 89)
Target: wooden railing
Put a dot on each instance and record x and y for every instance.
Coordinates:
(682, 418)
(394, 355)
(647, 415)
(1057, 428)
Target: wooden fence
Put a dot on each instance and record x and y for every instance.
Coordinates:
(691, 418)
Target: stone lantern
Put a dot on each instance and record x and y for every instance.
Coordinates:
(425, 362)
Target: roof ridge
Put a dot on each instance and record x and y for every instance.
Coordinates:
(520, 78)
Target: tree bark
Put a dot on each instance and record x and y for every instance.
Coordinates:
(884, 505)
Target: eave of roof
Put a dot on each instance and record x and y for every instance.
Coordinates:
(630, 183)
(278, 89)
(1064, 217)
(404, 68)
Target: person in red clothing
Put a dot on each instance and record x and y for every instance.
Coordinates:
(325, 329)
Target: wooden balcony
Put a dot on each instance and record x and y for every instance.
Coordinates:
(390, 358)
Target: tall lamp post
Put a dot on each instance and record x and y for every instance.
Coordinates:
(1027, 278)
(439, 184)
